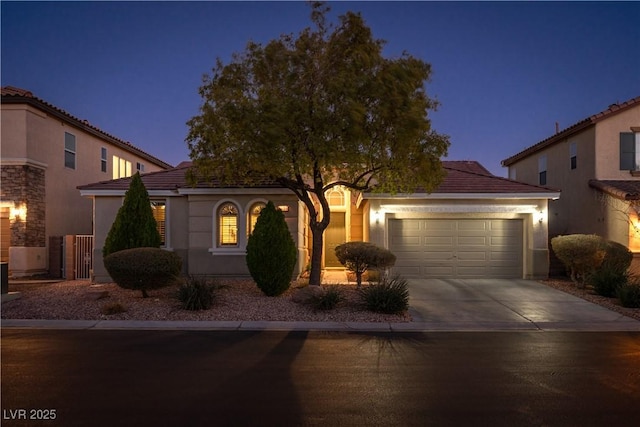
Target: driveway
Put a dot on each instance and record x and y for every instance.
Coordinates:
(480, 304)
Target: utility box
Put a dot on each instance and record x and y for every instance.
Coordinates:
(4, 272)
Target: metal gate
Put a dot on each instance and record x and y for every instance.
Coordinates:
(84, 256)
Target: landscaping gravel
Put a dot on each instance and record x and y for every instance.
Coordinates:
(236, 300)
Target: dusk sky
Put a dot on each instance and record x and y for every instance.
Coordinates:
(503, 72)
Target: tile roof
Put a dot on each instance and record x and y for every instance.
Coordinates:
(15, 95)
(577, 127)
(625, 190)
(463, 177)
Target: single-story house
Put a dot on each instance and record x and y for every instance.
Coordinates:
(474, 224)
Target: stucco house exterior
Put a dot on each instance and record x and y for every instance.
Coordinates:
(473, 225)
(46, 153)
(596, 165)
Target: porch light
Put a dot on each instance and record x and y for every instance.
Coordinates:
(19, 212)
(376, 216)
(540, 216)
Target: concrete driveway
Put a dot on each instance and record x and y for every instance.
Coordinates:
(496, 304)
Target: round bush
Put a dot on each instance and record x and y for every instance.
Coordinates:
(271, 252)
(580, 253)
(143, 268)
(617, 256)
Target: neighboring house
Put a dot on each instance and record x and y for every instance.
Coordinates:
(46, 154)
(596, 165)
(473, 225)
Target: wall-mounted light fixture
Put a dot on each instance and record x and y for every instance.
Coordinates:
(19, 212)
(540, 216)
(283, 208)
(376, 216)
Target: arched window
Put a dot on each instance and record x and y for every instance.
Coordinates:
(254, 213)
(335, 197)
(228, 225)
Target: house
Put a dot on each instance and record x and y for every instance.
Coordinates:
(596, 165)
(473, 225)
(46, 154)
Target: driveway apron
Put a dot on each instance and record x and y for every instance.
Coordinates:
(485, 302)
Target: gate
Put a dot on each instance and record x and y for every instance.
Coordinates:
(83, 256)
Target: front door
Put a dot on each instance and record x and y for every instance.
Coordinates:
(334, 235)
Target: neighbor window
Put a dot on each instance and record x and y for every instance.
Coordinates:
(542, 170)
(160, 215)
(227, 225)
(629, 151)
(69, 151)
(139, 167)
(121, 167)
(573, 155)
(254, 213)
(103, 159)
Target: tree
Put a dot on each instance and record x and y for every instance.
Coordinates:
(271, 252)
(134, 226)
(316, 111)
(359, 257)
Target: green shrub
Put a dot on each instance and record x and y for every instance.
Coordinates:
(271, 252)
(328, 299)
(617, 256)
(389, 296)
(112, 308)
(607, 279)
(580, 253)
(143, 268)
(134, 225)
(197, 294)
(629, 294)
(359, 257)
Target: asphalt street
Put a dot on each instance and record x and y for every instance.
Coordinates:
(280, 378)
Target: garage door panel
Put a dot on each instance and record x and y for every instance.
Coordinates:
(457, 247)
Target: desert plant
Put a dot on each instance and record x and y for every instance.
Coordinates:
(580, 253)
(197, 293)
(143, 268)
(134, 226)
(389, 296)
(271, 252)
(607, 279)
(629, 294)
(328, 299)
(359, 257)
(617, 256)
(112, 308)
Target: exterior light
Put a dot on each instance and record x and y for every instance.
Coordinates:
(283, 208)
(19, 212)
(540, 216)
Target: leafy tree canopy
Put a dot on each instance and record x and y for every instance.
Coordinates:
(322, 109)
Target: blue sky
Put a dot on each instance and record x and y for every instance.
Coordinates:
(504, 72)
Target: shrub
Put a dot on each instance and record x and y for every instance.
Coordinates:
(359, 257)
(617, 256)
(328, 299)
(112, 308)
(629, 294)
(197, 294)
(271, 252)
(143, 268)
(389, 296)
(134, 226)
(607, 279)
(580, 253)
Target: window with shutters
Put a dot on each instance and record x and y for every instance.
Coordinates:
(69, 151)
(159, 209)
(542, 170)
(629, 151)
(227, 225)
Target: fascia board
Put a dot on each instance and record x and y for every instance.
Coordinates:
(462, 196)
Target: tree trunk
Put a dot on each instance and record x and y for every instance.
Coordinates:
(316, 256)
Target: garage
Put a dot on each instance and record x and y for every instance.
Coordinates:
(457, 248)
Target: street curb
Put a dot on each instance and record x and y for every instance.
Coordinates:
(625, 325)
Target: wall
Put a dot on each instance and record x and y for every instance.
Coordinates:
(607, 135)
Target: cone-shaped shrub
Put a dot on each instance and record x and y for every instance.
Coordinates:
(134, 226)
(271, 252)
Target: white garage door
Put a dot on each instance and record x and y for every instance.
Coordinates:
(457, 248)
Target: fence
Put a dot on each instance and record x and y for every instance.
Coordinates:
(83, 256)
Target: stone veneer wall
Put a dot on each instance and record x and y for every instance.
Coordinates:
(25, 185)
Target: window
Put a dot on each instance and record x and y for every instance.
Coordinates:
(103, 159)
(227, 225)
(69, 151)
(629, 151)
(573, 155)
(140, 167)
(542, 170)
(336, 197)
(159, 214)
(121, 168)
(254, 213)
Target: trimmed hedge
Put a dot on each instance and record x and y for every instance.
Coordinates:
(580, 253)
(143, 268)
